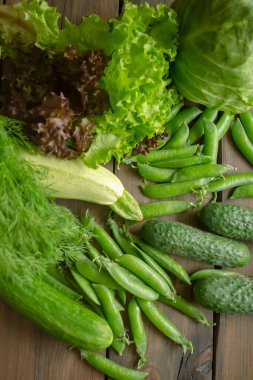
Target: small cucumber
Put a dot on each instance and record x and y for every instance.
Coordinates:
(228, 220)
(184, 240)
(230, 294)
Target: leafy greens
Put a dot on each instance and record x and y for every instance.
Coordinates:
(136, 77)
(214, 65)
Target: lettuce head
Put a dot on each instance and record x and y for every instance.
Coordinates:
(214, 65)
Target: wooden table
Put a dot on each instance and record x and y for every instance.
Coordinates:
(222, 352)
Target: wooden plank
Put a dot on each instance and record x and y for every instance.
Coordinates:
(234, 346)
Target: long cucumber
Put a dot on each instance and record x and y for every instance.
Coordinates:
(56, 313)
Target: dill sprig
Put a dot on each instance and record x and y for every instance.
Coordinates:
(35, 231)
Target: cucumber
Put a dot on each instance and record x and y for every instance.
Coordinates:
(228, 220)
(230, 294)
(184, 240)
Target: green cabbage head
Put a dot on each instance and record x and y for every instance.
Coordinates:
(214, 65)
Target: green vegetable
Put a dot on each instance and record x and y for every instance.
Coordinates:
(200, 171)
(179, 138)
(110, 368)
(230, 294)
(85, 286)
(223, 124)
(163, 155)
(243, 191)
(184, 240)
(187, 308)
(151, 210)
(72, 179)
(112, 316)
(36, 234)
(247, 122)
(178, 163)
(56, 284)
(129, 281)
(166, 190)
(151, 173)
(209, 273)
(213, 66)
(184, 116)
(242, 141)
(162, 323)
(143, 271)
(230, 181)
(232, 221)
(197, 130)
(138, 331)
(211, 143)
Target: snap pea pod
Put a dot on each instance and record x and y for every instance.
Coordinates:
(129, 281)
(200, 171)
(92, 252)
(174, 111)
(162, 323)
(242, 141)
(230, 181)
(185, 116)
(112, 316)
(90, 271)
(166, 190)
(197, 130)
(244, 191)
(164, 260)
(178, 163)
(109, 246)
(148, 275)
(151, 173)
(179, 139)
(187, 308)
(210, 273)
(120, 235)
(110, 368)
(56, 271)
(211, 142)
(223, 124)
(247, 122)
(64, 289)
(138, 331)
(151, 210)
(85, 286)
(153, 264)
(160, 155)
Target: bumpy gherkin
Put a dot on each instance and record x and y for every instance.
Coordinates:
(230, 294)
(228, 220)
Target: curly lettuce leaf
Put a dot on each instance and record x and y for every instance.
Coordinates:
(26, 24)
(138, 83)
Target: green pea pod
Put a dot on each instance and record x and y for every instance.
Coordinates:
(185, 116)
(64, 289)
(151, 173)
(112, 316)
(92, 252)
(90, 271)
(178, 163)
(200, 171)
(85, 286)
(223, 124)
(129, 281)
(187, 308)
(160, 155)
(151, 210)
(109, 246)
(242, 141)
(247, 122)
(166, 190)
(110, 368)
(165, 261)
(197, 130)
(211, 142)
(210, 273)
(162, 323)
(138, 331)
(179, 139)
(120, 236)
(148, 275)
(244, 191)
(230, 181)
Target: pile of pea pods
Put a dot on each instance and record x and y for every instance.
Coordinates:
(186, 161)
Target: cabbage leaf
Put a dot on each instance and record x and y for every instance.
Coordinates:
(214, 65)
